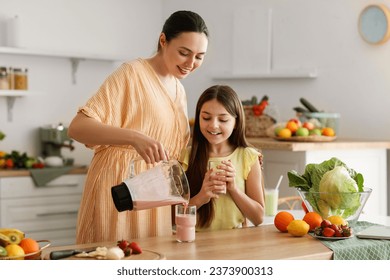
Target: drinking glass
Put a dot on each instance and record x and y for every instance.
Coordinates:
(185, 220)
(214, 164)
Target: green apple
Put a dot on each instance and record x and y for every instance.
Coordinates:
(315, 131)
(302, 131)
(277, 129)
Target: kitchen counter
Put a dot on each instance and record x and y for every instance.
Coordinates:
(273, 144)
(252, 243)
(25, 172)
(368, 157)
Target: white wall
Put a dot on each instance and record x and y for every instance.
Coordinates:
(353, 77)
(118, 28)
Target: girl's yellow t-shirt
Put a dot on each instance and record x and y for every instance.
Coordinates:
(227, 214)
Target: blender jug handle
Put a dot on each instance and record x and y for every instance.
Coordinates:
(131, 167)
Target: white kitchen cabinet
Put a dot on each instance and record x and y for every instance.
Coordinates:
(43, 213)
(263, 58)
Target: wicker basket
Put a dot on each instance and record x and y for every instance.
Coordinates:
(256, 126)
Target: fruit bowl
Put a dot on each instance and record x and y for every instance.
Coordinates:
(30, 256)
(321, 120)
(348, 205)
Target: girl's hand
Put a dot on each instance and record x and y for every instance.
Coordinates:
(210, 186)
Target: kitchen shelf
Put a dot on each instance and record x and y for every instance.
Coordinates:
(11, 96)
(74, 58)
(38, 52)
(275, 74)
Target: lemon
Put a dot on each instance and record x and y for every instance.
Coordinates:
(337, 220)
(298, 228)
(15, 250)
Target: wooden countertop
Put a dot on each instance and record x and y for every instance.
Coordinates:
(26, 172)
(273, 144)
(264, 242)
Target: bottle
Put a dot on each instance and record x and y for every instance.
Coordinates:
(4, 85)
(11, 78)
(13, 28)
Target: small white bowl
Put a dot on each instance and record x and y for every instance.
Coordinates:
(54, 161)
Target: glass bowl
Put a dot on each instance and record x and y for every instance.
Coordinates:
(321, 120)
(348, 205)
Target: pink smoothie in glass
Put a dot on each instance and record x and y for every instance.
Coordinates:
(185, 227)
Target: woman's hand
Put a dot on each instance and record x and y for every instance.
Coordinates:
(210, 187)
(149, 149)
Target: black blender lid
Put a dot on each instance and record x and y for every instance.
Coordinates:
(122, 198)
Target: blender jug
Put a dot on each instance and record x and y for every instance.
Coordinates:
(163, 184)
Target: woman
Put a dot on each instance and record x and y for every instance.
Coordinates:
(139, 111)
(231, 192)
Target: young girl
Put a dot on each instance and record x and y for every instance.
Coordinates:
(219, 134)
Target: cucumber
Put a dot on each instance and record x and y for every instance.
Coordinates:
(308, 105)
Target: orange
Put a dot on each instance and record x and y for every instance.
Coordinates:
(292, 126)
(15, 251)
(282, 220)
(284, 133)
(298, 228)
(328, 131)
(313, 219)
(29, 245)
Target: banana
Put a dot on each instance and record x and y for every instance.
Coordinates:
(14, 235)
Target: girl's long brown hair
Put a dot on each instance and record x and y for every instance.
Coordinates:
(197, 165)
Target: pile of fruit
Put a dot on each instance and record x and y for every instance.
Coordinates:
(294, 127)
(333, 226)
(14, 245)
(333, 229)
(123, 249)
(129, 248)
(17, 160)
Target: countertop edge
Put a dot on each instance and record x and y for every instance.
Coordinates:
(273, 144)
(25, 172)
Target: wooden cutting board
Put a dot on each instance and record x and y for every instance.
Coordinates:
(145, 255)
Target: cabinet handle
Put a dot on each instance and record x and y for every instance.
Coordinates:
(57, 213)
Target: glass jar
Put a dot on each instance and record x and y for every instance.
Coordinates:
(20, 79)
(11, 78)
(3, 78)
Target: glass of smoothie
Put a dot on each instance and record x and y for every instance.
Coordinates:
(185, 220)
(213, 164)
(271, 201)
